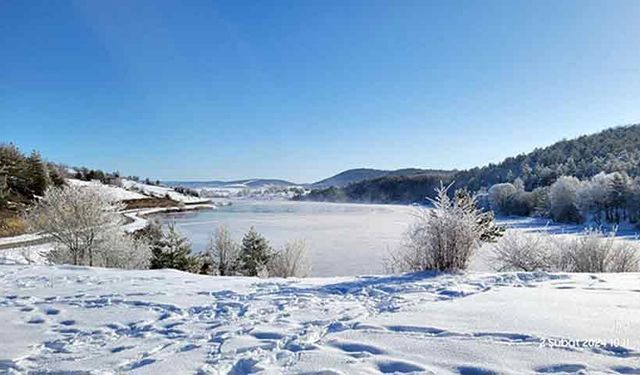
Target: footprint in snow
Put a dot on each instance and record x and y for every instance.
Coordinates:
(470, 370)
(627, 370)
(51, 311)
(563, 368)
(394, 367)
(268, 335)
(354, 347)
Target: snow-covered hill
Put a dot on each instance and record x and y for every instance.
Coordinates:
(161, 192)
(116, 192)
(66, 319)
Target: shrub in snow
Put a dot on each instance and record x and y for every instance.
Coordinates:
(255, 254)
(525, 252)
(291, 261)
(114, 250)
(444, 237)
(84, 223)
(598, 252)
(594, 251)
(562, 200)
(222, 254)
(171, 250)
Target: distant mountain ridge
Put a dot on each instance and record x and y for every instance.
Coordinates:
(350, 176)
(255, 183)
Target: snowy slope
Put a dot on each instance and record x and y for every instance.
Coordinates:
(108, 321)
(117, 193)
(161, 192)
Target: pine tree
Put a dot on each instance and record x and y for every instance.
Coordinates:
(485, 221)
(4, 190)
(37, 174)
(255, 254)
(171, 250)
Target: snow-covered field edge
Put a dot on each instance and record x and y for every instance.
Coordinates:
(78, 319)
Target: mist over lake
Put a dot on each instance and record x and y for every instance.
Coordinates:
(344, 239)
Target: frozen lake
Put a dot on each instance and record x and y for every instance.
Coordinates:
(344, 239)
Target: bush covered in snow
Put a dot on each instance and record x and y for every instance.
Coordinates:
(525, 252)
(598, 252)
(593, 251)
(444, 237)
(84, 223)
(291, 261)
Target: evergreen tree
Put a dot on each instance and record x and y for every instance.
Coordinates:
(37, 174)
(254, 254)
(4, 191)
(171, 250)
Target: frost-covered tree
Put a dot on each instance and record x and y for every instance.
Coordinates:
(500, 195)
(291, 261)
(443, 237)
(255, 254)
(562, 199)
(592, 197)
(619, 197)
(222, 254)
(79, 219)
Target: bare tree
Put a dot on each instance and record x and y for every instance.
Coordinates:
(222, 253)
(291, 261)
(85, 223)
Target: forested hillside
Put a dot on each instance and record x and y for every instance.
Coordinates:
(612, 150)
(22, 178)
(362, 174)
(388, 189)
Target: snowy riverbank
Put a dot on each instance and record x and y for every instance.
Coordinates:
(110, 321)
(32, 248)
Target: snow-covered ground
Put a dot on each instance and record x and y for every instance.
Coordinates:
(161, 192)
(115, 192)
(82, 320)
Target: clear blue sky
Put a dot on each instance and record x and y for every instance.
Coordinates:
(304, 89)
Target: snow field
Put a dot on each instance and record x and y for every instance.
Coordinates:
(68, 319)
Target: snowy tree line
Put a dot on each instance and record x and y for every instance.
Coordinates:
(604, 198)
(23, 177)
(612, 150)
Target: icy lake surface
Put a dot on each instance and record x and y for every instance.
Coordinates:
(344, 239)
